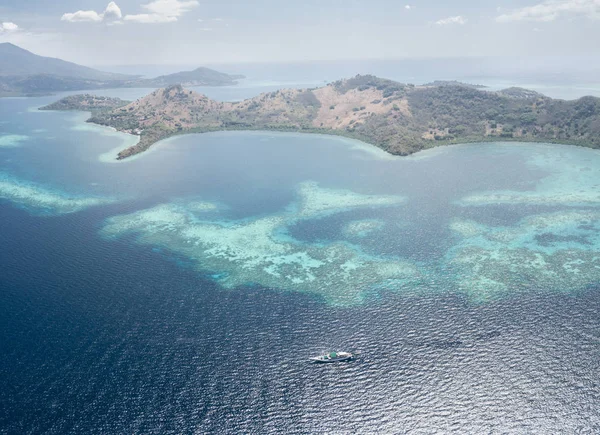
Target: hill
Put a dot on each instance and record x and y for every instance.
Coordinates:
(399, 118)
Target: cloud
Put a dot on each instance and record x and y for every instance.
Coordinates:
(171, 8)
(112, 12)
(163, 11)
(452, 20)
(407, 7)
(82, 16)
(553, 9)
(8, 27)
(158, 11)
(150, 18)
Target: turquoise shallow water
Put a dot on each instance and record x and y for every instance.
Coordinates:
(151, 262)
(237, 205)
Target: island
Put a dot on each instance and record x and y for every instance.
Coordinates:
(86, 102)
(399, 118)
(199, 77)
(454, 83)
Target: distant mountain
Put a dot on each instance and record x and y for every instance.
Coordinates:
(26, 73)
(17, 62)
(198, 77)
(43, 84)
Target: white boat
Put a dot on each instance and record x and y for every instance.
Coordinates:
(332, 357)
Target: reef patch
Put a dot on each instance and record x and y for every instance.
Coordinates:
(259, 251)
(41, 200)
(315, 202)
(573, 179)
(557, 251)
(12, 140)
(362, 228)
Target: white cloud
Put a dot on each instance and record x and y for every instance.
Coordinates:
(407, 7)
(163, 11)
(112, 12)
(150, 18)
(82, 16)
(552, 9)
(8, 27)
(158, 11)
(172, 8)
(452, 20)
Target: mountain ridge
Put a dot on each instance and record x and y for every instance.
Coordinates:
(17, 61)
(25, 73)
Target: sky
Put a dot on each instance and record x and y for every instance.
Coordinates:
(177, 32)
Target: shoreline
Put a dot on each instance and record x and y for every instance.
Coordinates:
(109, 156)
(356, 144)
(366, 149)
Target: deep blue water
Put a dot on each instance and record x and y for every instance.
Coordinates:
(129, 334)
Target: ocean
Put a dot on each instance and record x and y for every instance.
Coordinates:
(185, 290)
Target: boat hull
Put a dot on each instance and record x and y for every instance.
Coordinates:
(323, 360)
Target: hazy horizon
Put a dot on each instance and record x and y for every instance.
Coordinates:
(98, 33)
(545, 75)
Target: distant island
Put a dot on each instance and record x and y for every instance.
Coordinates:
(399, 118)
(454, 83)
(198, 77)
(23, 73)
(86, 102)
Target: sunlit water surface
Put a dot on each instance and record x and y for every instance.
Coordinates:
(183, 291)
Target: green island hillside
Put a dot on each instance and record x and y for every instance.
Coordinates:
(399, 118)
